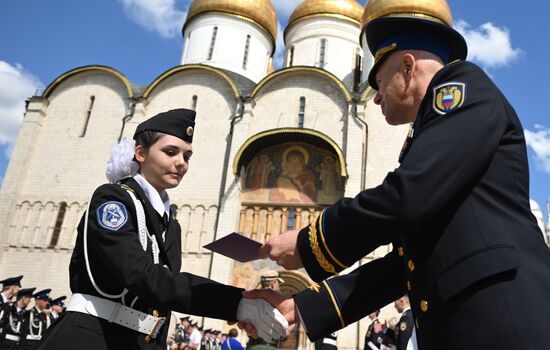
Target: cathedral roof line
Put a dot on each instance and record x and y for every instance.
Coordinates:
(187, 67)
(53, 85)
(302, 69)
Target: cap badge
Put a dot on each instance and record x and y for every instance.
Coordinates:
(190, 131)
(111, 215)
(448, 97)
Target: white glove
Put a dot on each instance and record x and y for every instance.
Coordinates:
(269, 322)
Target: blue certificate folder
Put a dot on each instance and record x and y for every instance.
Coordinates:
(236, 247)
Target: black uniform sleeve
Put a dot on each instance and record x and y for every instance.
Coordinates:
(448, 155)
(122, 254)
(342, 300)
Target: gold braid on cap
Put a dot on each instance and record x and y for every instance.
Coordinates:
(314, 244)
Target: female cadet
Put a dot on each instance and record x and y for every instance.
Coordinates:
(124, 271)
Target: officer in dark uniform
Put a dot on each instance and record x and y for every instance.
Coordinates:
(58, 307)
(10, 287)
(37, 320)
(404, 328)
(467, 248)
(374, 334)
(125, 267)
(14, 320)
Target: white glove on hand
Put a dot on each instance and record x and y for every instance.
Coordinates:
(269, 322)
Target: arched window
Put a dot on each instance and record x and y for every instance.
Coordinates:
(173, 211)
(194, 102)
(291, 57)
(212, 43)
(357, 70)
(291, 219)
(58, 224)
(322, 53)
(87, 116)
(246, 48)
(302, 112)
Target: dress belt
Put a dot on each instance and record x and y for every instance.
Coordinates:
(116, 313)
(329, 341)
(13, 337)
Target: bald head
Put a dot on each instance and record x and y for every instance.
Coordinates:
(402, 79)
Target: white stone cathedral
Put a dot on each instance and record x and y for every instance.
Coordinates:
(314, 119)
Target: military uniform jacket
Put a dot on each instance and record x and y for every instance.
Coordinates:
(118, 261)
(33, 328)
(403, 330)
(372, 336)
(13, 323)
(467, 249)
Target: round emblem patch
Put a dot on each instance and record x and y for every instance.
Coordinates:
(111, 215)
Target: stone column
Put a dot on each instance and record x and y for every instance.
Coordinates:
(14, 180)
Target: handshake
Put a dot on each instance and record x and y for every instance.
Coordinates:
(265, 313)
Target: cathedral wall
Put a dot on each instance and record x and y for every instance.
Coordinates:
(278, 105)
(216, 104)
(229, 47)
(68, 164)
(341, 48)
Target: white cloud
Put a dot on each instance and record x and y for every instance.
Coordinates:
(160, 16)
(488, 44)
(279, 56)
(16, 85)
(284, 8)
(539, 141)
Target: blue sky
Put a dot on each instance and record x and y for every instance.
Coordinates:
(42, 39)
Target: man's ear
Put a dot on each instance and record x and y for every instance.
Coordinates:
(408, 63)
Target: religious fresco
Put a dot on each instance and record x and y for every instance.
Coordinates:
(293, 173)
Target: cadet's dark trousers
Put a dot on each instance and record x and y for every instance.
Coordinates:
(75, 330)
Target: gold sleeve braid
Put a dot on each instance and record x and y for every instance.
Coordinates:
(314, 244)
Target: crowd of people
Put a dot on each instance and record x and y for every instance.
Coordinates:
(187, 334)
(22, 327)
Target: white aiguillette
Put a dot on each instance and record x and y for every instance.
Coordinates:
(236, 246)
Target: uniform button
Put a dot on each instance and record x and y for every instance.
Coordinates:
(156, 313)
(411, 265)
(409, 286)
(424, 305)
(166, 267)
(148, 339)
(400, 251)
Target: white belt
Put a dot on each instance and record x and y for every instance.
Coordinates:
(33, 337)
(329, 341)
(116, 313)
(13, 337)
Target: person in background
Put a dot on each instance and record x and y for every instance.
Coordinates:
(14, 320)
(37, 321)
(231, 343)
(375, 334)
(405, 327)
(10, 287)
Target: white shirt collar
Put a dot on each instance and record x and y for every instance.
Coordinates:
(4, 298)
(161, 204)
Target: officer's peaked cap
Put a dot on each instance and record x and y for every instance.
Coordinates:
(59, 301)
(176, 122)
(392, 25)
(11, 281)
(25, 292)
(43, 294)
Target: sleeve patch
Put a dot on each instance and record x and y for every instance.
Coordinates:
(448, 96)
(111, 215)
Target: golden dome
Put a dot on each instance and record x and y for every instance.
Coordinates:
(349, 10)
(436, 10)
(261, 12)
